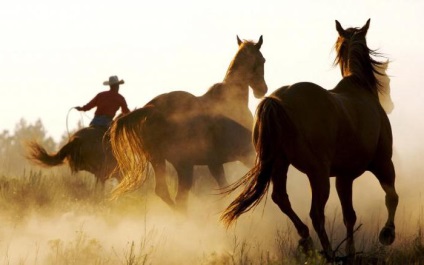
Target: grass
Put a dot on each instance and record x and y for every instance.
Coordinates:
(58, 218)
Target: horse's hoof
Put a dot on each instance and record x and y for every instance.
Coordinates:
(306, 244)
(387, 235)
(350, 250)
(328, 256)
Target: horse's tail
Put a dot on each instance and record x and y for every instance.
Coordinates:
(129, 148)
(267, 135)
(40, 156)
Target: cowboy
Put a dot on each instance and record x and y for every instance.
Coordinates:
(107, 103)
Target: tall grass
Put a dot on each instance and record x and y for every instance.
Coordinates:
(95, 230)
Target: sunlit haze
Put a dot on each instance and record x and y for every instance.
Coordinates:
(55, 55)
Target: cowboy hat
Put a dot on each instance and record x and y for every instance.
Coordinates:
(113, 80)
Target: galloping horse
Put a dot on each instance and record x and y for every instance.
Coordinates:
(186, 130)
(86, 150)
(341, 132)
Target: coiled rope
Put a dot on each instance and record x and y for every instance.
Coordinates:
(82, 114)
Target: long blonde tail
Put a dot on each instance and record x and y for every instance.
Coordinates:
(129, 148)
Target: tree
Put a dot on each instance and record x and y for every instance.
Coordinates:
(13, 147)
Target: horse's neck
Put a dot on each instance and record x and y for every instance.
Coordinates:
(229, 99)
(236, 87)
(232, 90)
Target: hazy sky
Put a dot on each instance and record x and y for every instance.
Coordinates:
(55, 55)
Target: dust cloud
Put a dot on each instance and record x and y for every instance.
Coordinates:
(140, 228)
(80, 227)
(47, 221)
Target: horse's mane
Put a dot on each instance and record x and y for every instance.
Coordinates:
(356, 59)
(215, 91)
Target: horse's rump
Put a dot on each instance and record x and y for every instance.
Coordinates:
(90, 149)
(273, 130)
(330, 126)
(91, 133)
(133, 137)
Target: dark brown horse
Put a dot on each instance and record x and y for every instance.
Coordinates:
(86, 150)
(186, 130)
(341, 132)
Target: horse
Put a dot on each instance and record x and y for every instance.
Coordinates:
(87, 149)
(338, 133)
(188, 130)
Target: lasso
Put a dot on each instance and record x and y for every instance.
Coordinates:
(81, 119)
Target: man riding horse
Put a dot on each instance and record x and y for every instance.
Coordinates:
(107, 103)
(89, 148)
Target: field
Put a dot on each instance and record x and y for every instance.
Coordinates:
(52, 217)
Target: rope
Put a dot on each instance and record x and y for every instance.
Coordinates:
(67, 127)
(81, 120)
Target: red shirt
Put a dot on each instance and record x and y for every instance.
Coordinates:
(107, 103)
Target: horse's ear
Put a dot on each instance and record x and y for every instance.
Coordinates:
(259, 43)
(365, 28)
(340, 29)
(239, 42)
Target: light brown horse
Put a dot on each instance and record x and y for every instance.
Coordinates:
(341, 132)
(86, 150)
(186, 130)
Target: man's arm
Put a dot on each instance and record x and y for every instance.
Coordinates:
(124, 107)
(89, 105)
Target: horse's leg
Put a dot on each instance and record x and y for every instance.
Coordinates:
(385, 173)
(344, 190)
(281, 198)
(217, 171)
(161, 188)
(320, 185)
(185, 181)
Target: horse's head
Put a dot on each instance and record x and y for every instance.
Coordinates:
(349, 33)
(248, 66)
(356, 59)
(384, 89)
(343, 44)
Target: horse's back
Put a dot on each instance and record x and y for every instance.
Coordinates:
(311, 108)
(340, 130)
(218, 101)
(91, 133)
(90, 144)
(176, 104)
(365, 128)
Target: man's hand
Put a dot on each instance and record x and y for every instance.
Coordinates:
(78, 108)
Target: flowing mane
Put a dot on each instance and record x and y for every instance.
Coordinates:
(356, 59)
(384, 89)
